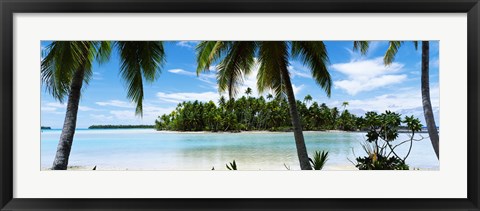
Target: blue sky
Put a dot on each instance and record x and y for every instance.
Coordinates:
(363, 81)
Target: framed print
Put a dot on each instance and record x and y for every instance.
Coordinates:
(259, 105)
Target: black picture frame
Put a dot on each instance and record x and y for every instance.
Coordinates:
(9, 7)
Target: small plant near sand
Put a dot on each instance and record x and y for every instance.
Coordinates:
(232, 166)
(319, 159)
(382, 132)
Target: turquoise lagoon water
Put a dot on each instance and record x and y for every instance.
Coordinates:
(146, 149)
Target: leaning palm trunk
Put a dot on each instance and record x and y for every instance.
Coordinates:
(297, 127)
(66, 138)
(427, 105)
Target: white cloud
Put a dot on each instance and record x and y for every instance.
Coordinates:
(101, 117)
(404, 100)
(207, 77)
(408, 101)
(86, 108)
(97, 76)
(150, 114)
(367, 75)
(188, 44)
(59, 108)
(56, 105)
(188, 96)
(116, 103)
(250, 81)
(353, 87)
(127, 116)
(182, 72)
(48, 109)
(300, 72)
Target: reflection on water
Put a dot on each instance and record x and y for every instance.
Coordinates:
(146, 149)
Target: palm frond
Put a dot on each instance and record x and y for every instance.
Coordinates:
(232, 166)
(319, 160)
(361, 45)
(235, 66)
(209, 52)
(62, 59)
(91, 54)
(273, 59)
(391, 51)
(415, 44)
(314, 55)
(140, 60)
(104, 50)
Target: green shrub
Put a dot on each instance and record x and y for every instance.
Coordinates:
(382, 132)
(232, 166)
(319, 160)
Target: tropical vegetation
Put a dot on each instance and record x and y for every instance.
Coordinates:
(382, 141)
(67, 66)
(250, 113)
(236, 59)
(119, 126)
(319, 159)
(425, 87)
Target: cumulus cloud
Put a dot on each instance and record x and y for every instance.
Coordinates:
(125, 113)
(188, 96)
(115, 103)
(407, 101)
(207, 77)
(58, 108)
(150, 114)
(182, 72)
(250, 81)
(367, 75)
(298, 71)
(188, 44)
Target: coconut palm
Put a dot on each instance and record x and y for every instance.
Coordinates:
(68, 64)
(344, 104)
(425, 84)
(237, 59)
(308, 98)
(248, 92)
(269, 96)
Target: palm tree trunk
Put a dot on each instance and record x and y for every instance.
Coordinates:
(297, 127)
(66, 138)
(427, 105)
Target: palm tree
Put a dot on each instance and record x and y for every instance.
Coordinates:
(345, 104)
(269, 96)
(238, 60)
(248, 92)
(68, 64)
(307, 98)
(425, 81)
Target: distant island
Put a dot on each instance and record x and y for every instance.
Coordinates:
(120, 126)
(46, 128)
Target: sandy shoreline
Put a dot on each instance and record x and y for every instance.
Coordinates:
(253, 132)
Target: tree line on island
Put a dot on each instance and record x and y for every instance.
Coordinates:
(250, 113)
(119, 126)
(67, 65)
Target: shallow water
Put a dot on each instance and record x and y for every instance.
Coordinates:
(146, 149)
